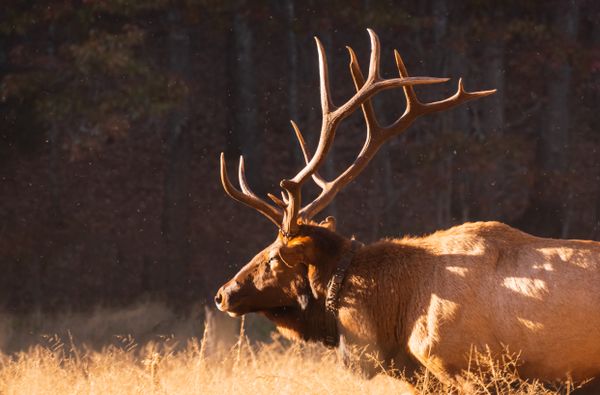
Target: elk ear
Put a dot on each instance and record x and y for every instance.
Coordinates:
(300, 250)
(328, 223)
(295, 251)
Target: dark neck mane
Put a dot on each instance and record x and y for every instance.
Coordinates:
(297, 324)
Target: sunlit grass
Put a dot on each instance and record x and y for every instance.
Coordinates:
(60, 366)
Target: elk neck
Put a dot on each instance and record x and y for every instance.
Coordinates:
(318, 322)
(334, 287)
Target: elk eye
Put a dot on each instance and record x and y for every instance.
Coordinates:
(271, 263)
(268, 265)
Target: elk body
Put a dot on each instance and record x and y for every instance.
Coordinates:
(415, 301)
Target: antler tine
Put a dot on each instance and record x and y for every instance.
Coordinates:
(320, 181)
(461, 96)
(326, 103)
(301, 141)
(294, 203)
(246, 188)
(276, 200)
(359, 81)
(249, 198)
(409, 92)
(375, 56)
(242, 178)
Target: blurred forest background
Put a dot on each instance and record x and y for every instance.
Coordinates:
(113, 113)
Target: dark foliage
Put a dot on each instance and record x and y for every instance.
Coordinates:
(113, 112)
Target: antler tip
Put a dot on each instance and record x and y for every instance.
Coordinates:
(461, 89)
(487, 93)
(375, 53)
(223, 170)
(426, 80)
(351, 53)
(276, 200)
(374, 37)
(295, 127)
(318, 42)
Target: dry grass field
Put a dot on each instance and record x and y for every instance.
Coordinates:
(205, 364)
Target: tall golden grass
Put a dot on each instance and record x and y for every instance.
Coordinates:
(61, 365)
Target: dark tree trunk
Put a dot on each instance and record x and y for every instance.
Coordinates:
(242, 90)
(555, 138)
(178, 145)
(550, 210)
(442, 121)
(292, 54)
(493, 116)
(55, 182)
(556, 153)
(460, 124)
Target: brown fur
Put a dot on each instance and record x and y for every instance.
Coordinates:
(432, 298)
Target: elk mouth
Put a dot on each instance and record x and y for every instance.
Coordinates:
(237, 303)
(231, 302)
(234, 311)
(236, 307)
(239, 310)
(280, 311)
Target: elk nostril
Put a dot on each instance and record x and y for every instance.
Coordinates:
(218, 298)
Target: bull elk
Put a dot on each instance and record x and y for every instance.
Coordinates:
(415, 300)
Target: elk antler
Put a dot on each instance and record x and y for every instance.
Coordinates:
(289, 212)
(246, 195)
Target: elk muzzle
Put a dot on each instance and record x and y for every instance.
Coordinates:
(227, 297)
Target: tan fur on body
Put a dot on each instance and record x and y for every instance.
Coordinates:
(478, 284)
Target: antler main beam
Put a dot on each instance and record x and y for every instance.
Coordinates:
(288, 213)
(376, 134)
(332, 116)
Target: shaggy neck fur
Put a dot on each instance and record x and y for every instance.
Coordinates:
(377, 303)
(309, 324)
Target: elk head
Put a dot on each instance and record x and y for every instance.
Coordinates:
(286, 274)
(293, 270)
